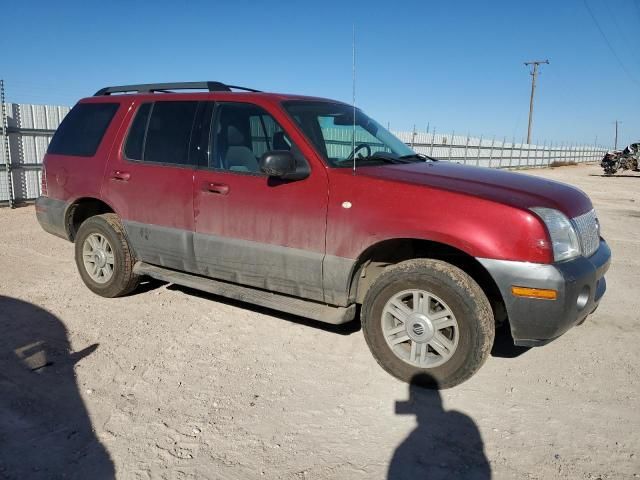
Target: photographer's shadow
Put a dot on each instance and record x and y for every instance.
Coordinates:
(444, 445)
(45, 430)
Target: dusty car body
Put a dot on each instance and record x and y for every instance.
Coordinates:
(308, 206)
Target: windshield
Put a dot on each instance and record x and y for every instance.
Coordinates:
(330, 127)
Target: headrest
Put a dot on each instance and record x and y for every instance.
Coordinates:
(234, 136)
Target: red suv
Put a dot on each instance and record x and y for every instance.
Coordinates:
(308, 206)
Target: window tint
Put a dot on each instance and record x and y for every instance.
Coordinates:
(169, 132)
(134, 147)
(242, 133)
(81, 131)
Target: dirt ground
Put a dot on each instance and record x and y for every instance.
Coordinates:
(171, 383)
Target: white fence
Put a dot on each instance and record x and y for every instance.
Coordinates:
(494, 153)
(478, 151)
(30, 128)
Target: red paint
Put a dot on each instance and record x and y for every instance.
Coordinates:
(384, 207)
(481, 211)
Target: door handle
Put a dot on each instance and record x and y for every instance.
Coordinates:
(219, 188)
(120, 175)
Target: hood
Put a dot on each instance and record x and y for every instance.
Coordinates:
(509, 188)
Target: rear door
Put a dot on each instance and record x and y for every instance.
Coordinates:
(149, 181)
(252, 229)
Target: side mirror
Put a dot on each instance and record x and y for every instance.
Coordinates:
(278, 163)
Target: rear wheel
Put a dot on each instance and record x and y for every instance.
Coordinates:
(427, 321)
(104, 258)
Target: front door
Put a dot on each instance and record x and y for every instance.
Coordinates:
(252, 229)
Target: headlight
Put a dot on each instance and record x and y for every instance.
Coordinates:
(563, 236)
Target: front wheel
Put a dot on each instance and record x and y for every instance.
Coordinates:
(104, 258)
(429, 322)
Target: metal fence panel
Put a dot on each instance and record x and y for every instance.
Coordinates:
(29, 130)
(26, 184)
(4, 184)
(497, 153)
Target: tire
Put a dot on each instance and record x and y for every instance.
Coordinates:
(118, 257)
(445, 288)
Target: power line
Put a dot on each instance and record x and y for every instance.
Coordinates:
(609, 43)
(619, 29)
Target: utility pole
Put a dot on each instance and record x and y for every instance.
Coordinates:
(615, 142)
(534, 76)
(5, 137)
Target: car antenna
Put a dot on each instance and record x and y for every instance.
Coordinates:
(353, 87)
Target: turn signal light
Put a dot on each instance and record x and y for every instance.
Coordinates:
(534, 293)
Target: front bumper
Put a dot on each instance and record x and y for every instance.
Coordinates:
(580, 284)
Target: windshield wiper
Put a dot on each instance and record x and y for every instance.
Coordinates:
(418, 156)
(385, 157)
(381, 156)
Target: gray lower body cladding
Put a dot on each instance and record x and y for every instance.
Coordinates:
(286, 270)
(51, 216)
(284, 303)
(580, 284)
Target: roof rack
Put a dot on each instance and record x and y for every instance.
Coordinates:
(168, 87)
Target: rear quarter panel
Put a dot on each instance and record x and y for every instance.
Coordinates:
(72, 177)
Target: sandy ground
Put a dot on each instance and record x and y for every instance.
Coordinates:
(170, 383)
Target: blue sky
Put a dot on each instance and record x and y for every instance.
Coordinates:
(456, 66)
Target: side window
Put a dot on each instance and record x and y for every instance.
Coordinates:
(81, 131)
(267, 134)
(242, 133)
(199, 153)
(134, 148)
(169, 132)
(161, 133)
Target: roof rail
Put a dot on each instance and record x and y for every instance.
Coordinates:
(167, 87)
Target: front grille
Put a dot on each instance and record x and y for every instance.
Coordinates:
(588, 232)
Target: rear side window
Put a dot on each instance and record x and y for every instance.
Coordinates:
(168, 133)
(134, 149)
(81, 131)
